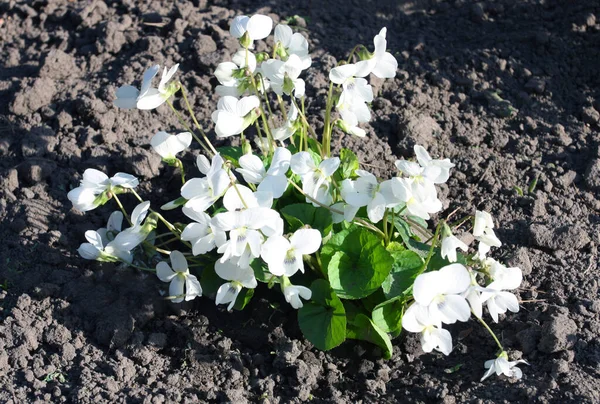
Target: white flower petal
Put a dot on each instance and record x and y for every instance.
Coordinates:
(192, 287)
(238, 26)
(176, 288)
(88, 251)
(164, 272)
(306, 241)
(178, 261)
(259, 26)
(126, 97)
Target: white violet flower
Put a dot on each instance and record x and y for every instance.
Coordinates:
(284, 257)
(315, 179)
(381, 63)
(179, 277)
(274, 179)
(290, 43)
(233, 116)
(293, 293)
(501, 365)
(203, 235)
(249, 29)
(94, 187)
(433, 336)
(364, 191)
(101, 245)
(440, 291)
(350, 76)
(483, 230)
(201, 193)
(285, 76)
(167, 146)
(148, 97)
(238, 276)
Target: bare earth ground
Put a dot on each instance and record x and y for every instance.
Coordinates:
(78, 331)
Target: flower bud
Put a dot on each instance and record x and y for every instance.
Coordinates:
(246, 147)
(261, 57)
(245, 40)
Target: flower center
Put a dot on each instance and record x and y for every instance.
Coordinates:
(290, 257)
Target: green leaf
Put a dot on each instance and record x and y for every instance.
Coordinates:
(373, 300)
(348, 163)
(243, 299)
(261, 272)
(388, 315)
(323, 319)
(356, 262)
(363, 328)
(300, 214)
(406, 266)
(406, 234)
(231, 153)
(210, 281)
(436, 262)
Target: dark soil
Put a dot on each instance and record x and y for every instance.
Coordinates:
(509, 90)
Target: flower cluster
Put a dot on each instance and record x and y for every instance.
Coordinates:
(286, 212)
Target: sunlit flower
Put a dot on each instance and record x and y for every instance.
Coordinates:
(315, 179)
(284, 257)
(420, 201)
(233, 116)
(494, 296)
(133, 236)
(249, 29)
(203, 235)
(439, 291)
(201, 193)
(245, 237)
(501, 365)
(484, 233)
(238, 276)
(353, 110)
(290, 126)
(364, 191)
(381, 63)
(274, 179)
(179, 277)
(433, 336)
(95, 188)
(293, 293)
(148, 97)
(350, 76)
(101, 245)
(285, 76)
(289, 43)
(450, 243)
(232, 75)
(167, 146)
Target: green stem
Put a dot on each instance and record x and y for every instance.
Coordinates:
(141, 268)
(487, 327)
(433, 243)
(189, 107)
(353, 52)
(118, 201)
(168, 224)
(385, 228)
(186, 127)
(181, 170)
(282, 107)
(310, 129)
(326, 127)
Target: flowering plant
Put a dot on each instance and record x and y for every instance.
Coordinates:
(351, 252)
